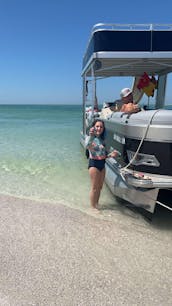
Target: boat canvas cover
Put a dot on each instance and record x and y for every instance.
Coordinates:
(129, 52)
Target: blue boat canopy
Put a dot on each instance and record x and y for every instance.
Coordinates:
(128, 50)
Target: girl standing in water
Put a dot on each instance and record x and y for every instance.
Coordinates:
(97, 157)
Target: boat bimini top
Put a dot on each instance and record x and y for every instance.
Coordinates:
(128, 50)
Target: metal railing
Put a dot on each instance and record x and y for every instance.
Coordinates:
(131, 27)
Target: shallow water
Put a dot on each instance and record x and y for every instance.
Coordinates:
(41, 157)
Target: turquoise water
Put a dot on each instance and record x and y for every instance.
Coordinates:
(41, 157)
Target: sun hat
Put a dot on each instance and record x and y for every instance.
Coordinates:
(125, 92)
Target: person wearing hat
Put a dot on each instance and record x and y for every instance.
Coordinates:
(128, 105)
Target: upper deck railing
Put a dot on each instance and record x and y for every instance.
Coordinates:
(131, 27)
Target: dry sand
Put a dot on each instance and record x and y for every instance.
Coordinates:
(51, 254)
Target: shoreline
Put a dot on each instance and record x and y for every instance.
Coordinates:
(161, 219)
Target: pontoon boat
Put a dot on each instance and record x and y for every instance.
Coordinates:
(142, 175)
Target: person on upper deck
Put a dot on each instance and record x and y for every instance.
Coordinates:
(128, 105)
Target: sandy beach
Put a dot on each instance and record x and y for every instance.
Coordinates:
(51, 254)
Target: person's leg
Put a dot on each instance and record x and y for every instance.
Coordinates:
(96, 185)
(102, 178)
(101, 181)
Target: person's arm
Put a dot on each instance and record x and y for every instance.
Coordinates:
(89, 139)
(130, 108)
(114, 154)
(122, 109)
(135, 109)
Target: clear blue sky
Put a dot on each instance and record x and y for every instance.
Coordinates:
(42, 43)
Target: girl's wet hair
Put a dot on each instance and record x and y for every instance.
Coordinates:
(99, 120)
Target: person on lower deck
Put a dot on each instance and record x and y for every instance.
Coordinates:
(128, 105)
(97, 157)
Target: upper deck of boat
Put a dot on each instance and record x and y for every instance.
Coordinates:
(128, 50)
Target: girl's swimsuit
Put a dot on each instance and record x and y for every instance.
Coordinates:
(97, 163)
(97, 152)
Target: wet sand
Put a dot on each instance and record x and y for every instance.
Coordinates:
(51, 254)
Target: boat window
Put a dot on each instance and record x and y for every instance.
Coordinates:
(168, 95)
(148, 102)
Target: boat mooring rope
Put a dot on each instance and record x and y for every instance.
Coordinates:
(164, 205)
(141, 142)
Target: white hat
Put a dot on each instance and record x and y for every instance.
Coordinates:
(125, 92)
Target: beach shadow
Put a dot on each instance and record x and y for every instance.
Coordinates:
(124, 207)
(160, 219)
